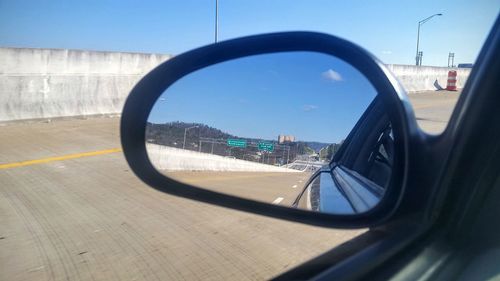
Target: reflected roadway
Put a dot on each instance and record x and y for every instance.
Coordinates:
(269, 187)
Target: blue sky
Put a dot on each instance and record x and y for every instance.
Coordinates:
(313, 96)
(386, 28)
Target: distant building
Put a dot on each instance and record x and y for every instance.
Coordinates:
(285, 139)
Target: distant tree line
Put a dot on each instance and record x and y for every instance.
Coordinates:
(203, 138)
(328, 152)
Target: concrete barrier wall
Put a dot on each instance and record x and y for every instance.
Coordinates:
(423, 78)
(46, 83)
(175, 159)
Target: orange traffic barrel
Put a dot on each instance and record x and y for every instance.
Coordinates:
(452, 81)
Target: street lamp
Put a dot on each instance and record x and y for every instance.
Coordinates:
(216, 20)
(418, 58)
(185, 131)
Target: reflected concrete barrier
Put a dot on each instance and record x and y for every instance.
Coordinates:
(48, 83)
(175, 159)
(423, 78)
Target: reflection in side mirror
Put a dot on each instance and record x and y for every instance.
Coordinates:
(298, 129)
(340, 191)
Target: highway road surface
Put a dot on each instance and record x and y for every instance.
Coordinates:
(70, 209)
(78, 213)
(433, 109)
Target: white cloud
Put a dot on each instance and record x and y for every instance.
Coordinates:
(309, 107)
(331, 75)
(386, 52)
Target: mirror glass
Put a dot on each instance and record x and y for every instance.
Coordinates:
(282, 128)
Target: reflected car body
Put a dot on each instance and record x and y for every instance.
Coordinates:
(355, 180)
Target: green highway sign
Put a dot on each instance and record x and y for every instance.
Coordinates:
(237, 143)
(266, 146)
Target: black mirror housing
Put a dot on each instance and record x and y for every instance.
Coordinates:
(144, 95)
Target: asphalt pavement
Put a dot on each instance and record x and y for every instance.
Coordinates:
(434, 108)
(269, 187)
(71, 209)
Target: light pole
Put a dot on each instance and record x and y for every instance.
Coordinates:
(418, 59)
(216, 19)
(185, 131)
(288, 155)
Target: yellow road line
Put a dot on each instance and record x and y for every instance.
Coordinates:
(58, 158)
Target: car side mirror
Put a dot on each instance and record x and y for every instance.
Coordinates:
(207, 125)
